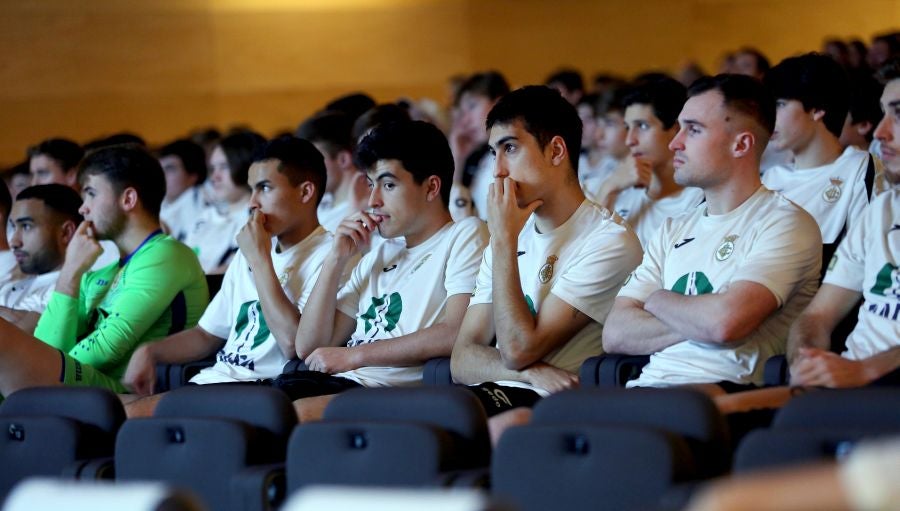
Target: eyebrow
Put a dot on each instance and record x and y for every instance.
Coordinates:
(264, 182)
(23, 219)
(385, 175)
(503, 141)
(692, 122)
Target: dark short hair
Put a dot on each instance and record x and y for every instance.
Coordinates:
(818, 82)
(664, 94)
(62, 199)
(568, 78)
(5, 201)
(298, 160)
(762, 63)
(192, 156)
(332, 129)
(354, 104)
(612, 100)
(890, 71)
(865, 101)
(128, 166)
(743, 94)
(419, 146)
(66, 152)
(488, 84)
(544, 114)
(379, 114)
(239, 149)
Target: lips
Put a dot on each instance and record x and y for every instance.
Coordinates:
(20, 256)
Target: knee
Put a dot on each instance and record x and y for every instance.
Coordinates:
(498, 424)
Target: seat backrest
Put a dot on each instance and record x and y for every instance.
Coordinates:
(689, 414)
(452, 409)
(97, 407)
(877, 408)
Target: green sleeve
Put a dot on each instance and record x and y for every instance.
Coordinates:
(64, 319)
(146, 287)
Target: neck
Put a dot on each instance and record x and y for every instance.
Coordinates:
(344, 190)
(558, 206)
(662, 182)
(4, 243)
(728, 195)
(136, 230)
(240, 203)
(428, 228)
(288, 239)
(821, 150)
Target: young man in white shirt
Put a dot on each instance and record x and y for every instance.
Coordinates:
(250, 324)
(184, 165)
(406, 298)
(645, 193)
(552, 270)
(833, 184)
(43, 220)
(720, 285)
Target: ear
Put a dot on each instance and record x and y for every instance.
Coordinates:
(818, 114)
(559, 153)
(307, 192)
(129, 200)
(67, 231)
(744, 142)
(863, 128)
(432, 188)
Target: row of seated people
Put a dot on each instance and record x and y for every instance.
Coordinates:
(242, 449)
(716, 293)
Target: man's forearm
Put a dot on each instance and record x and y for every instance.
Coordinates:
(882, 363)
(186, 346)
(514, 322)
(475, 363)
(808, 331)
(631, 330)
(69, 282)
(409, 350)
(317, 321)
(281, 315)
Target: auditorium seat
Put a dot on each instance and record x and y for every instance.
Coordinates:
(611, 370)
(428, 436)
(58, 431)
(225, 442)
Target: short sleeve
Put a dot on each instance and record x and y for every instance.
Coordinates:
(465, 257)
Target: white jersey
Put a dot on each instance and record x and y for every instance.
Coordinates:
(396, 291)
(772, 157)
(583, 262)
(28, 292)
(834, 194)
(480, 185)
(331, 214)
(8, 264)
(213, 235)
(181, 214)
(867, 261)
(767, 240)
(645, 215)
(235, 313)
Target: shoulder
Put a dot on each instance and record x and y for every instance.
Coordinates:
(469, 227)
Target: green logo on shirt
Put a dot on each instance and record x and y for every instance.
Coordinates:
(530, 303)
(887, 283)
(383, 313)
(249, 316)
(692, 284)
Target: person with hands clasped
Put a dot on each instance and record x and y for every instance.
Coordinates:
(96, 319)
(251, 323)
(553, 267)
(405, 299)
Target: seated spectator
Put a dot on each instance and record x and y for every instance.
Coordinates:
(17, 178)
(864, 114)
(251, 323)
(865, 265)
(646, 193)
(553, 267)
(591, 154)
(346, 190)
(184, 165)
(404, 301)
(55, 161)
(830, 182)
(96, 319)
(212, 236)
(7, 258)
(569, 83)
(472, 171)
(720, 285)
(44, 219)
(611, 134)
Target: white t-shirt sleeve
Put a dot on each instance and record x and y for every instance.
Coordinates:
(648, 277)
(465, 257)
(348, 295)
(218, 316)
(860, 198)
(595, 276)
(780, 259)
(484, 283)
(847, 266)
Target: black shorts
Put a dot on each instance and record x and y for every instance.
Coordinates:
(301, 384)
(500, 398)
(731, 387)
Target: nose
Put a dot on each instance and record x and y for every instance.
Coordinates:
(254, 200)
(884, 131)
(677, 143)
(375, 197)
(15, 241)
(83, 210)
(631, 138)
(500, 168)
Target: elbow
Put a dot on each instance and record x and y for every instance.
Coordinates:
(728, 331)
(516, 359)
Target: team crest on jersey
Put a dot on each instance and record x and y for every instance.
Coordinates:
(833, 192)
(887, 282)
(285, 276)
(546, 271)
(726, 248)
(381, 316)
